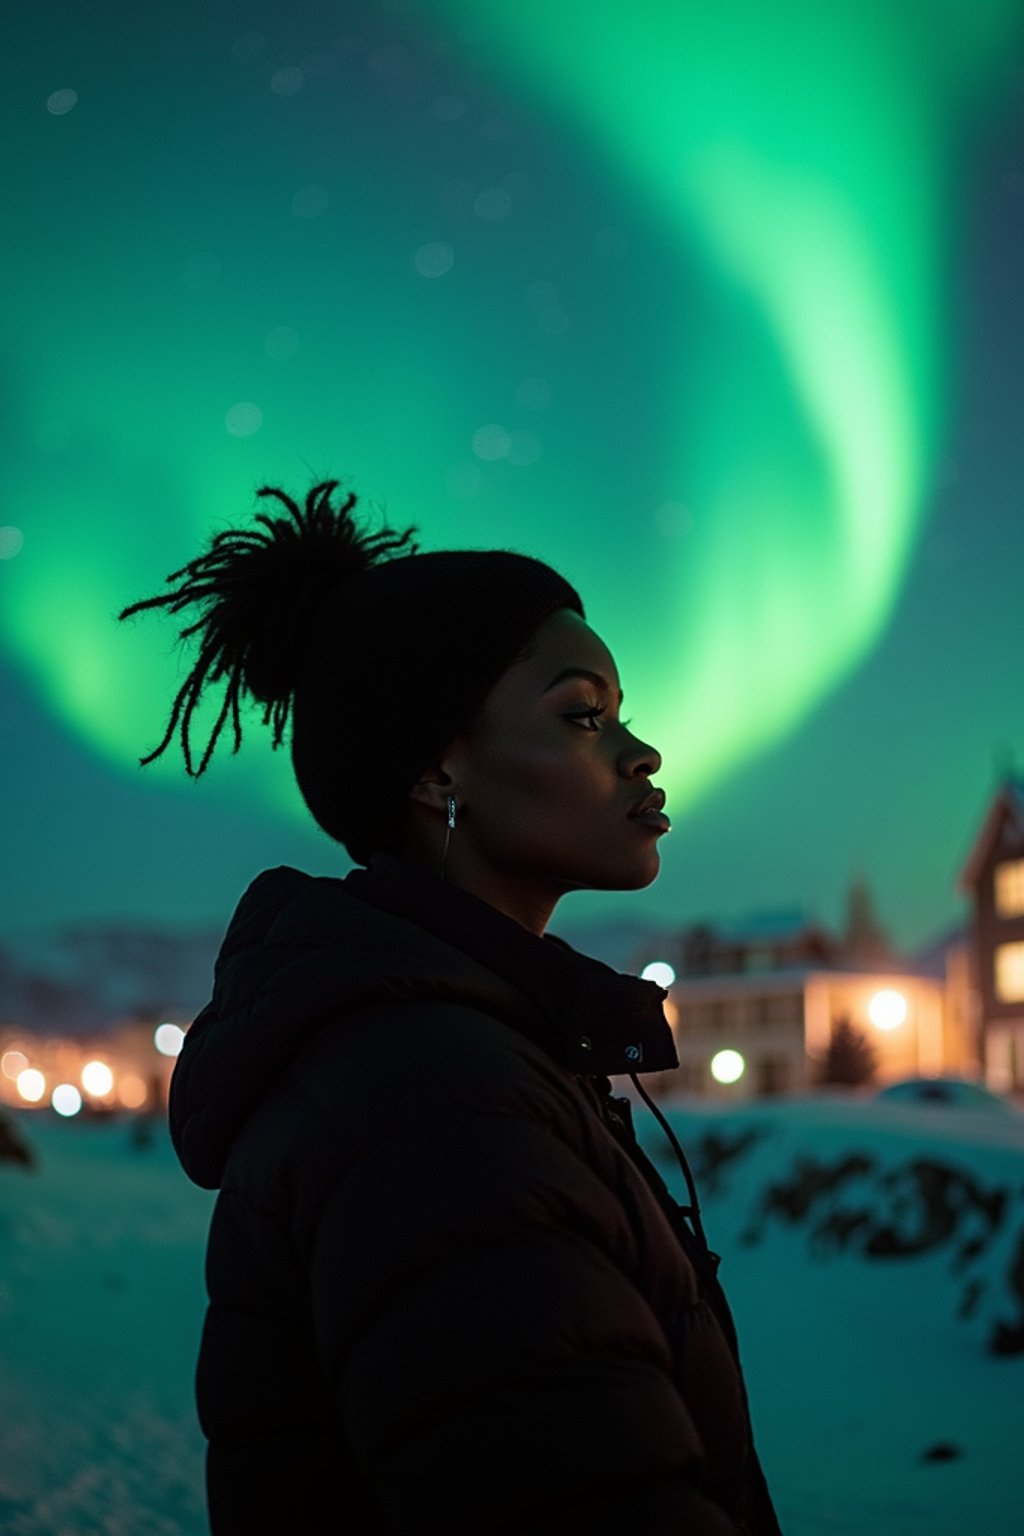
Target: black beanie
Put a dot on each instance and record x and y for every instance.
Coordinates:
(399, 661)
(380, 659)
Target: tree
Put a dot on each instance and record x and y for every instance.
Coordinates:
(850, 1058)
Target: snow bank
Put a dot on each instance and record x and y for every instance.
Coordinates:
(872, 1254)
(101, 1300)
(879, 1406)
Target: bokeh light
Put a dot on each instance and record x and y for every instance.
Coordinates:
(131, 1091)
(493, 204)
(12, 1063)
(59, 103)
(168, 1039)
(887, 1008)
(31, 1084)
(66, 1099)
(244, 419)
(97, 1079)
(727, 1066)
(434, 259)
(491, 442)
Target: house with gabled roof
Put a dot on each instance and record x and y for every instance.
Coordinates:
(993, 879)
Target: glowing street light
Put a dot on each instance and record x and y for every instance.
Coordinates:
(97, 1078)
(66, 1099)
(727, 1066)
(887, 1009)
(659, 971)
(168, 1039)
(31, 1084)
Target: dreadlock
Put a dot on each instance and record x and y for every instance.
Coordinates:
(256, 593)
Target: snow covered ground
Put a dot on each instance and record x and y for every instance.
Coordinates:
(101, 1294)
(872, 1255)
(860, 1364)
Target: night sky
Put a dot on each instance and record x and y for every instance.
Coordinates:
(719, 309)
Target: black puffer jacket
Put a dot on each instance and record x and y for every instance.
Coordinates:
(447, 1291)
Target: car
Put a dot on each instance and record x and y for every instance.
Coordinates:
(958, 1092)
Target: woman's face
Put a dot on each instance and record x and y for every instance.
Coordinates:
(545, 781)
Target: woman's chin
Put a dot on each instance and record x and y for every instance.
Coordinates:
(649, 877)
(633, 875)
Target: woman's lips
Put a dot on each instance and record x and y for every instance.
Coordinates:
(656, 819)
(654, 800)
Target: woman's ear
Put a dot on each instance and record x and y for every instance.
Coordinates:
(432, 789)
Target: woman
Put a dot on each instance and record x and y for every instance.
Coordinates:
(447, 1291)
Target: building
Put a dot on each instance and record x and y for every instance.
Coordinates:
(754, 1006)
(993, 880)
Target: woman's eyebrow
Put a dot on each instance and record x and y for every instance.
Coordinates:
(591, 677)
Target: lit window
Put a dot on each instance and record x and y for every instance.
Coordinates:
(1010, 888)
(1010, 973)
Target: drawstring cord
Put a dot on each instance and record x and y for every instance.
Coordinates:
(693, 1209)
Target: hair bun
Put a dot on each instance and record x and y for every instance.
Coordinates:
(258, 593)
(283, 575)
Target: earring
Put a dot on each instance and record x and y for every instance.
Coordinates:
(448, 832)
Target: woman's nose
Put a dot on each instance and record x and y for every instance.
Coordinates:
(646, 757)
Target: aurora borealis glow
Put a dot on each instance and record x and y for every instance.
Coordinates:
(800, 152)
(669, 295)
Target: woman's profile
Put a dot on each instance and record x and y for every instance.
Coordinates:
(447, 1290)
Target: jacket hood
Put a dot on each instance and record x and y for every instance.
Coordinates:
(302, 952)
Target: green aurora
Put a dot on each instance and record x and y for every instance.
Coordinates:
(690, 343)
(801, 152)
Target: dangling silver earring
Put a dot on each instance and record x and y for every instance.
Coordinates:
(448, 832)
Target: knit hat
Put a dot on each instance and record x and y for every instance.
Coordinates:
(381, 658)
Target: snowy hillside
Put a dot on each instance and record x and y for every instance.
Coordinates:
(77, 980)
(872, 1255)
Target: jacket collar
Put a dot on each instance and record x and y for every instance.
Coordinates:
(592, 1019)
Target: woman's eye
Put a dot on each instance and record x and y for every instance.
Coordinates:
(594, 714)
(589, 714)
